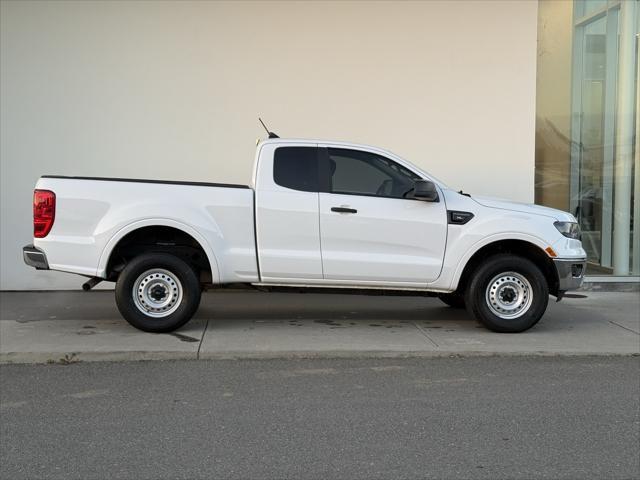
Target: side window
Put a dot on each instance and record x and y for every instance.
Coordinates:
(296, 168)
(363, 173)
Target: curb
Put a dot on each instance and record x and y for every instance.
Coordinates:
(59, 358)
(14, 358)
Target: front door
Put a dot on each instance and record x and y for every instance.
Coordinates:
(371, 230)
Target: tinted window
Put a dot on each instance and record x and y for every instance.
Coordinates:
(296, 168)
(364, 173)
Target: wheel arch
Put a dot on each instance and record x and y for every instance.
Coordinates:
(523, 247)
(147, 225)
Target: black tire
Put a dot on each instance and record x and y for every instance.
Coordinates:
(483, 303)
(454, 300)
(170, 279)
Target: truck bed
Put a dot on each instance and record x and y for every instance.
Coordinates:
(94, 213)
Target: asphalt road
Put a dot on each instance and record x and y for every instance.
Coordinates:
(487, 417)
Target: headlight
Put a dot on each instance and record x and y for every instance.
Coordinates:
(569, 229)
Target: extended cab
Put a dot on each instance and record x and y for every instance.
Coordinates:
(317, 215)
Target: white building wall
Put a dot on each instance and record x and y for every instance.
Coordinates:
(172, 90)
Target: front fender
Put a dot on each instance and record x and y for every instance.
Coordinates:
(455, 269)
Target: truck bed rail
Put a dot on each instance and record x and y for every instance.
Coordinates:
(141, 180)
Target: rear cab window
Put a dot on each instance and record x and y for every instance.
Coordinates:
(296, 168)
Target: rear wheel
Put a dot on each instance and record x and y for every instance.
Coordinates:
(157, 292)
(454, 300)
(507, 294)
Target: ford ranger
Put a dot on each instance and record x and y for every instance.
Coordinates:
(317, 215)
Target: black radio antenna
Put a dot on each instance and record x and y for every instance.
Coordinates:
(271, 134)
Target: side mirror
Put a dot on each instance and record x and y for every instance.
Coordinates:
(425, 190)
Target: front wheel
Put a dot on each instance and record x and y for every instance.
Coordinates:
(157, 292)
(507, 294)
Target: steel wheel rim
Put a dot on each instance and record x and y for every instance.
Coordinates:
(157, 293)
(509, 295)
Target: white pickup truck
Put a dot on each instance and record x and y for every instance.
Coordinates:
(318, 215)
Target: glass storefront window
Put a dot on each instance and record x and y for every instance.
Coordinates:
(589, 6)
(587, 123)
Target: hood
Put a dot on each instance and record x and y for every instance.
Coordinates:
(524, 208)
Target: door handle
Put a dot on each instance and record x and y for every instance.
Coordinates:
(344, 210)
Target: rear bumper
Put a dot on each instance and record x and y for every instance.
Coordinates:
(570, 273)
(34, 257)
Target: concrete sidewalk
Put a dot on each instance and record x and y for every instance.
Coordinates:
(73, 326)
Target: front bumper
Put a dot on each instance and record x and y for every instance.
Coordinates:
(570, 273)
(34, 257)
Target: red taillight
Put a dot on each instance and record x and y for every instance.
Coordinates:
(44, 212)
